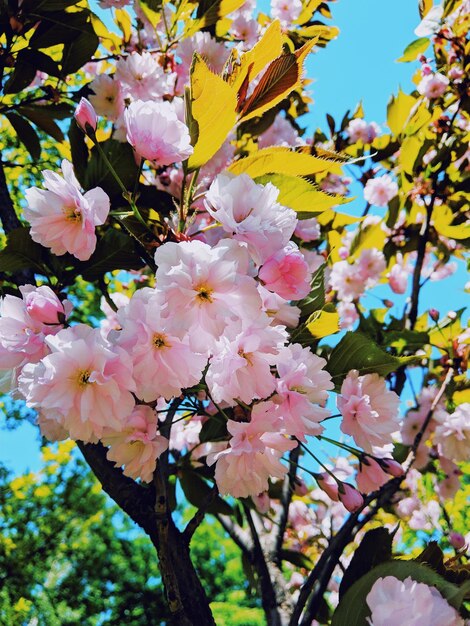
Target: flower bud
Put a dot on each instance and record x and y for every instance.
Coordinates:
(392, 467)
(328, 484)
(85, 117)
(456, 540)
(434, 315)
(350, 497)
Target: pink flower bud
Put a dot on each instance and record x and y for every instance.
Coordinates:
(392, 467)
(434, 315)
(426, 69)
(85, 116)
(328, 484)
(350, 497)
(456, 540)
(300, 488)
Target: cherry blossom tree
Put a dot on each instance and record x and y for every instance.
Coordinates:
(236, 295)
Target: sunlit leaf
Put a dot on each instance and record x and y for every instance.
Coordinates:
(443, 222)
(300, 194)
(323, 323)
(398, 110)
(356, 351)
(414, 49)
(280, 160)
(213, 104)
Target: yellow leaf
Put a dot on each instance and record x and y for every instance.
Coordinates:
(408, 154)
(42, 491)
(322, 32)
(280, 160)
(268, 48)
(308, 10)
(443, 218)
(213, 104)
(419, 117)
(323, 323)
(366, 238)
(218, 10)
(108, 39)
(461, 396)
(334, 244)
(398, 110)
(338, 220)
(301, 195)
(123, 20)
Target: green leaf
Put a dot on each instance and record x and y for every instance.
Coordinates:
(356, 351)
(121, 157)
(21, 252)
(26, 134)
(21, 77)
(213, 430)
(40, 62)
(115, 251)
(414, 49)
(197, 490)
(79, 51)
(353, 609)
(316, 298)
(406, 340)
(375, 548)
(43, 120)
(59, 27)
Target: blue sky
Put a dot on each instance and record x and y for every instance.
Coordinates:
(359, 65)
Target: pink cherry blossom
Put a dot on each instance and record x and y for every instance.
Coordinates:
(142, 77)
(62, 218)
(206, 288)
(452, 434)
(286, 11)
(156, 134)
(369, 410)
(347, 281)
(286, 273)
(348, 314)
(433, 85)
(360, 130)
(279, 309)
(370, 265)
(302, 391)
(398, 275)
(280, 133)
(137, 446)
(409, 603)
(379, 191)
(157, 354)
(241, 365)
(25, 322)
(84, 383)
(113, 4)
(308, 230)
(251, 214)
(253, 454)
(214, 53)
(107, 98)
(334, 183)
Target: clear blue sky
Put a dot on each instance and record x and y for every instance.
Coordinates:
(359, 65)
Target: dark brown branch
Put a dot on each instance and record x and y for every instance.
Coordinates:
(268, 592)
(236, 534)
(286, 498)
(135, 500)
(421, 252)
(198, 517)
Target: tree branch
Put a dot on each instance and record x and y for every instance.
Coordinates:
(198, 517)
(286, 498)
